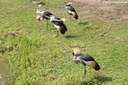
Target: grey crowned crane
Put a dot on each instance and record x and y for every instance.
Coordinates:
(85, 59)
(58, 24)
(43, 14)
(71, 11)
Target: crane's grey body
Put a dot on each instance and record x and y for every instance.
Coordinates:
(59, 24)
(43, 14)
(71, 11)
(82, 58)
(85, 59)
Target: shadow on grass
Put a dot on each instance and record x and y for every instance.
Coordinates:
(70, 36)
(103, 79)
(99, 80)
(83, 23)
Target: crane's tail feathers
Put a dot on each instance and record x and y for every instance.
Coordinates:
(75, 15)
(62, 31)
(97, 66)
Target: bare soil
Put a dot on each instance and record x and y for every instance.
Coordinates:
(101, 9)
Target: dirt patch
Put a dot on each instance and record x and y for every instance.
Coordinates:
(101, 9)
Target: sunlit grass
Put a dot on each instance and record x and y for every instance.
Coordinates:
(36, 57)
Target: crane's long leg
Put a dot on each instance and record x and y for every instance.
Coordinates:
(57, 34)
(70, 17)
(85, 70)
(46, 24)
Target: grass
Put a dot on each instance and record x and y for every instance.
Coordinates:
(36, 57)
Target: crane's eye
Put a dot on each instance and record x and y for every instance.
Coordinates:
(73, 53)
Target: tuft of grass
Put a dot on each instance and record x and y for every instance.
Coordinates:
(36, 57)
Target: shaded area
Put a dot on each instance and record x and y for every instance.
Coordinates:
(83, 23)
(103, 78)
(70, 36)
(98, 80)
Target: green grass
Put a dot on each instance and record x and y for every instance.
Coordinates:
(36, 57)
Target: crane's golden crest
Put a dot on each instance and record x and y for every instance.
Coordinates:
(63, 19)
(39, 5)
(69, 3)
(76, 51)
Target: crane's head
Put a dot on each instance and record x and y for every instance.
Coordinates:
(40, 11)
(76, 51)
(39, 6)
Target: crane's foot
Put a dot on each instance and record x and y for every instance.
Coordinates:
(70, 17)
(84, 71)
